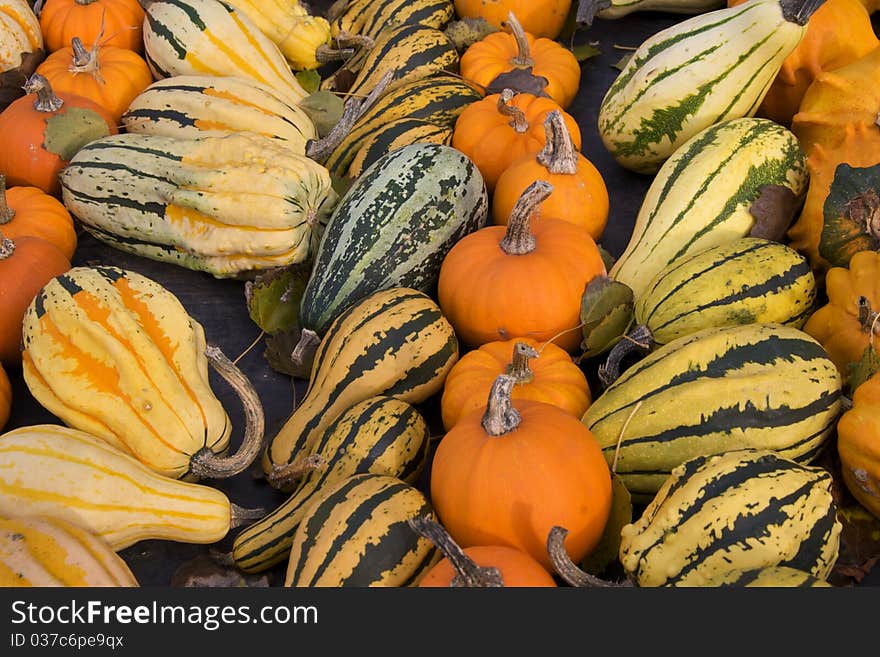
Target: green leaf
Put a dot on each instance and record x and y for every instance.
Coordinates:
(607, 312)
(606, 552)
(279, 354)
(309, 80)
(273, 298)
(324, 109)
(623, 61)
(585, 51)
(864, 369)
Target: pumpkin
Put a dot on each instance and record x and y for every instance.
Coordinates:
(838, 33)
(478, 565)
(5, 397)
(30, 211)
(42, 131)
(579, 191)
(847, 324)
(543, 372)
(848, 95)
(543, 18)
(506, 476)
(19, 33)
(110, 76)
(120, 20)
(499, 129)
(26, 265)
(522, 280)
(841, 212)
(858, 445)
(517, 51)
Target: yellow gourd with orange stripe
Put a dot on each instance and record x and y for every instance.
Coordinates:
(113, 353)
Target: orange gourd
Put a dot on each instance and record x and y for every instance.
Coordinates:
(5, 397)
(543, 372)
(523, 280)
(110, 76)
(30, 211)
(858, 445)
(120, 21)
(579, 191)
(503, 52)
(499, 129)
(838, 33)
(506, 476)
(543, 18)
(42, 131)
(26, 265)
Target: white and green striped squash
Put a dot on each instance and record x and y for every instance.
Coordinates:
(740, 510)
(710, 68)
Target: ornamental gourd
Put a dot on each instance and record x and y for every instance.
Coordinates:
(30, 211)
(114, 353)
(858, 445)
(367, 18)
(19, 33)
(120, 20)
(543, 18)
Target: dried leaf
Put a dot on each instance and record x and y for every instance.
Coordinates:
(585, 51)
(324, 109)
(279, 354)
(12, 81)
(773, 211)
(864, 369)
(606, 552)
(607, 308)
(209, 571)
(310, 80)
(467, 31)
(273, 297)
(521, 80)
(623, 61)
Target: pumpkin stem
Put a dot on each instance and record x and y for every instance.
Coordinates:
(305, 348)
(519, 367)
(518, 119)
(639, 339)
(799, 11)
(518, 238)
(568, 570)
(500, 416)
(559, 155)
(85, 60)
(86, 3)
(6, 213)
(205, 464)
(46, 100)
(467, 572)
(240, 516)
(523, 55)
(285, 477)
(7, 247)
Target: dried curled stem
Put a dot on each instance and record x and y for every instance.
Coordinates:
(467, 572)
(568, 570)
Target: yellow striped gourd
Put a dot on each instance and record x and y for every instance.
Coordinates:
(45, 551)
(767, 577)
(369, 17)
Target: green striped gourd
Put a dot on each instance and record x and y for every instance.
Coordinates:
(115, 354)
(380, 435)
(392, 342)
(767, 577)
(397, 134)
(187, 106)
(66, 473)
(701, 71)
(210, 37)
(356, 535)
(702, 195)
(437, 100)
(393, 228)
(755, 385)
(369, 17)
(744, 510)
(47, 551)
(223, 205)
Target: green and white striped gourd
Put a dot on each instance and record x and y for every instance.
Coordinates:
(702, 196)
(710, 68)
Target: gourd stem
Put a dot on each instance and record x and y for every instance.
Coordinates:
(523, 54)
(639, 339)
(500, 416)
(240, 516)
(799, 11)
(344, 38)
(46, 100)
(82, 56)
(519, 367)
(518, 119)
(84, 3)
(320, 149)
(285, 477)
(205, 464)
(7, 247)
(6, 213)
(867, 316)
(325, 54)
(518, 238)
(305, 348)
(566, 568)
(559, 155)
(467, 572)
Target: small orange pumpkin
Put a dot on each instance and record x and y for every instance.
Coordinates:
(543, 372)
(5, 397)
(499, 129)
(503, 52)
(543, 18)
(30, 211)
(579, 191)
(111, 77)
(522, 280)
(506, 476)
(858, 445)
(120, 20)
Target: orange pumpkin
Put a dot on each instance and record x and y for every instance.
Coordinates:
(506, 476)
(42, 130)
(499, 129)
(523, 280)
(543, 18)
(858, 445)
(26, 265)
(5, 397)
(503, 52)
(111, 77)
(579, 191)
(115, 22)
(543, 372)
(30, 211)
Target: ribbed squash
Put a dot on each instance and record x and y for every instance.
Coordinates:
(31, 211)
(858, 445)
(117, 23)
(44, 551)
(19, 32)
(369, 17)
